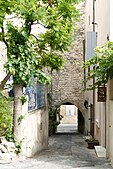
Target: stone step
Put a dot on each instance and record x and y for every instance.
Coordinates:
(100, 151)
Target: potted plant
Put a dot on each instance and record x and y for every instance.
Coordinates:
(92, 142)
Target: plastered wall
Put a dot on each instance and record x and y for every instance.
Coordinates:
(35, 130)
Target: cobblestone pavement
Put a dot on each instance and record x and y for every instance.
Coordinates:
(65, 151)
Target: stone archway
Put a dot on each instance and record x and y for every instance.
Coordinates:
(71, 119)
(67, 84)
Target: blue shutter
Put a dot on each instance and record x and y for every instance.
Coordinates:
(36, 96)
(91, 43)
(31, 92)
(40, 95)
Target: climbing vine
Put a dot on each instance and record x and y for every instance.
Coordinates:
(102, 64)
(23, 99)
(18, 146)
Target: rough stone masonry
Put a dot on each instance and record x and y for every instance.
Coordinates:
(67, 85)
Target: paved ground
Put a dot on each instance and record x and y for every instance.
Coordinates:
(67, 128)
(65, 151)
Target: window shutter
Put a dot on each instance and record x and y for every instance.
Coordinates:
(91, 43)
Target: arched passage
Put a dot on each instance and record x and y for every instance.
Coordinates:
(71, 119)
(67, 86)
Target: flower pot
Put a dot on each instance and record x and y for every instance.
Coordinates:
(92, 144)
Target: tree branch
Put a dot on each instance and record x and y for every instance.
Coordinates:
(2, 84)
(40, 24)
(34, 37)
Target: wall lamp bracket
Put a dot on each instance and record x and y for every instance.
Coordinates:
(94, 23)
(86, 105)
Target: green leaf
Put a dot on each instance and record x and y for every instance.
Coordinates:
(103, 65)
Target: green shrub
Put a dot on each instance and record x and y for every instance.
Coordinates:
(6, 115)
(52, 121)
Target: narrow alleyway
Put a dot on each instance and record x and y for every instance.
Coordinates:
(65, 151)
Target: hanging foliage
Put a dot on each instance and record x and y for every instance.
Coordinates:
(53, 22)
(102, 65)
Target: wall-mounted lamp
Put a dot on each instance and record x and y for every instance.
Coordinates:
(107, 37)
(94, 23)
(86, 104)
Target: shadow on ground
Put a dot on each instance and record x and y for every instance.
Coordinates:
(69, 150)
(65, 151)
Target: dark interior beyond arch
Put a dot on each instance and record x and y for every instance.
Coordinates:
(81, 122)
(67, 103)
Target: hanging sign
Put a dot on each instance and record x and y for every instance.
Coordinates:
(101, 94)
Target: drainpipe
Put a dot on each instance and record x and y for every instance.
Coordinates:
(93, 116)
(93, 16)
(105, 124)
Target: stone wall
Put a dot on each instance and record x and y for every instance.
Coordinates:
(3, 59)
(67, 84)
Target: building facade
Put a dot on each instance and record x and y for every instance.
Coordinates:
(98, 30)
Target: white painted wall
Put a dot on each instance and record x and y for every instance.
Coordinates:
(88, 16)
(102, 18)
(111, 20)
(37, 134)
(102, 27)
(110, 128)
(34, 130)
(3, 59)
(109, 134)
(88, 94)
(110, 99)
